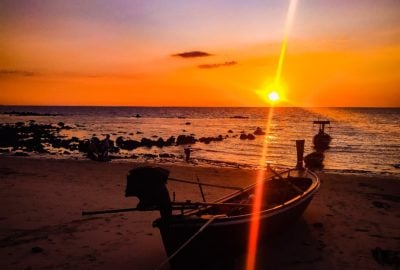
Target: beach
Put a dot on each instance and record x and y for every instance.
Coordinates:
(41, 226)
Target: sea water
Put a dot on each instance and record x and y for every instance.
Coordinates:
(365, 140)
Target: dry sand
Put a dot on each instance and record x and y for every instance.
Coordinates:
(41, 203)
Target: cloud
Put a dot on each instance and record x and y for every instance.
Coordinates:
(192, 54)
(15, 72)
(217, 65)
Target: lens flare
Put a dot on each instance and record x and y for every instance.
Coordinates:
(272, 96)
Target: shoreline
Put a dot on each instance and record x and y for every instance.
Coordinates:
(41, 226)
(202, 163)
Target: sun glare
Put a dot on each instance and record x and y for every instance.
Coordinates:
(273, 96)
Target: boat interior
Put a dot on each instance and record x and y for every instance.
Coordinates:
(276, 192)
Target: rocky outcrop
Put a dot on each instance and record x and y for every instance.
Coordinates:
(185, 139)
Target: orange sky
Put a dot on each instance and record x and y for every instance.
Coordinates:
(121, 53)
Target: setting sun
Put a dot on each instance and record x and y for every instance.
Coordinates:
(273, 96)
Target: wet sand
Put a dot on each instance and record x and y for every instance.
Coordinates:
(41, 226)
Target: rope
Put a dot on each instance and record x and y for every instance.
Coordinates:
(204, 184)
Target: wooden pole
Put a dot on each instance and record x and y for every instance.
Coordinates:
(201, 189)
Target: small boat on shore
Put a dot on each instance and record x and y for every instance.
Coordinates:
(201, 235)
(226, 223)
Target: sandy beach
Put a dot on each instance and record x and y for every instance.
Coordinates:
(41, 226)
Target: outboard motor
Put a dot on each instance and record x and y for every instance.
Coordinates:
(149, 185)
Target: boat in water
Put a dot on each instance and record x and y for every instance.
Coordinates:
(322, 140)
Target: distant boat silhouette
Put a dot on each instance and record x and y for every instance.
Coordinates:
(322, 140)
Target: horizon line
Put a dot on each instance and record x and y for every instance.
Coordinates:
(172, 106)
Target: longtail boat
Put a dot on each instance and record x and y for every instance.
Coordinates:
(199, 235)
(285, 197)
(322, 139)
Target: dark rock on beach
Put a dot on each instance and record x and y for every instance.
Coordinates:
(170, 141)
(207, 140)
(128, 144)
(30, 137)
(166, 155)
(249, 136)
(184, 139)
(259, 131)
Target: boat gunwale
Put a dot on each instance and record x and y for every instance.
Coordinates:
(245, 218)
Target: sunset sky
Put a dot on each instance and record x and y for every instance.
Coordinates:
(198, 53)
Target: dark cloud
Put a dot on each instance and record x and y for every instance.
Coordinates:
(192, 54)
(15, 72)
(217, 65)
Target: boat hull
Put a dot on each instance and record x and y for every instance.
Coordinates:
(321, 141)
(224, 238)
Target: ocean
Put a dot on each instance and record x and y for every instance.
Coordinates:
(365, 140)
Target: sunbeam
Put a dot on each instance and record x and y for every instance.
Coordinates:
(272, 96)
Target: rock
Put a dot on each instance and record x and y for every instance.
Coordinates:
(184, 139)
(139, 132)
(166, 155)
(138, 116)
(146, 142)
(160, 142)
(170, 141)
(61, 124)
(149, 156)
(66, 153)
(259, 131)
(243, 136)
(207, 140)
(130, 145)
(230, 131)
(120, 141)
(250, 136)
(188, 123)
